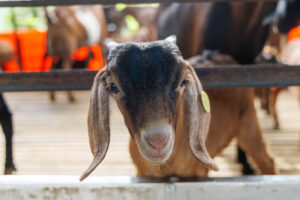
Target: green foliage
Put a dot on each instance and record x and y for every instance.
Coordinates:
(22, 18)
(132, 24)
(122, 6)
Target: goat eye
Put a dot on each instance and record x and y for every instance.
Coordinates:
(113, 87)
(183, 82)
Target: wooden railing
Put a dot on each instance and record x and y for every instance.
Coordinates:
(214, 77)
(211, 77)
(15, 3)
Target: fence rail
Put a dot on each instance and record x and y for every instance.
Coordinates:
(115, 188)
(211, 77)
(21, 3)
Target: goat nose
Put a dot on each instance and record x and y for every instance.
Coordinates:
(157, 141)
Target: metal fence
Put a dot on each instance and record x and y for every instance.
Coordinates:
(14, 3)
(212, 77)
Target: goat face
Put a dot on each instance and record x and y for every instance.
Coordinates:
(157, 93)
(148, 80)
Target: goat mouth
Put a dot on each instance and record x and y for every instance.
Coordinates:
(158, 156)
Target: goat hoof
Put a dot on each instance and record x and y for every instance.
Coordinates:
(52, 98)
(72, 100)
(10, 170)
(249, 171)
(276, 127)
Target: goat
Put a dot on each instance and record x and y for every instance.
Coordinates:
(234, 28)
(145, 16)
(167, 113)
(6, 54)
(70, 28)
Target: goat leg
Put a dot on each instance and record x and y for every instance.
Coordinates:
(7, 126)
(250, 138)
(272, 106)
(71, 96)
(52, 96)
(242, 159)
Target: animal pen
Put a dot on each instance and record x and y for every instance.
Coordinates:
(69, 187)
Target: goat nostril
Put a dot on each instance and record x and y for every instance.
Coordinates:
(157, 141)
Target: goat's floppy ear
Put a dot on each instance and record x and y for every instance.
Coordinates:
(98, 122)
(197, 116)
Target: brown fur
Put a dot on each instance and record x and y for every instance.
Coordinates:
(234, 28)
(156, 86)
(66, 34)
(233, 116)
(158, 94)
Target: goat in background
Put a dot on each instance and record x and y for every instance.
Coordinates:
(70, 28)
(6, 54)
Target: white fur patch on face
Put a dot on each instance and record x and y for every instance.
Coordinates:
(150, 153)
(91, 25)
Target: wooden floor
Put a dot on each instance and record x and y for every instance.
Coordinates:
(51, 138)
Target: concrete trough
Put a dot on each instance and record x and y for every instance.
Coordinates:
(127, 188)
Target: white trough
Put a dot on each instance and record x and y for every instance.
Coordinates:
(126, 188)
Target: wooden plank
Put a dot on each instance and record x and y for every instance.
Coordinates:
(211, 77)
(54, 80)
(249, 76)
(19, 3)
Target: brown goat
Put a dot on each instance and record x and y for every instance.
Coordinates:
(72, 27)
(6, 54)
(167, 113)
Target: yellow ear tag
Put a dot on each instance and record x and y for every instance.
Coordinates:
(205, 101)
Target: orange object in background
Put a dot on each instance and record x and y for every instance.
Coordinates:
(33, 48)
(294, 33)
(96, 63)
(11, 66)
(47, 63)
(32, 44)
(81, 54)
